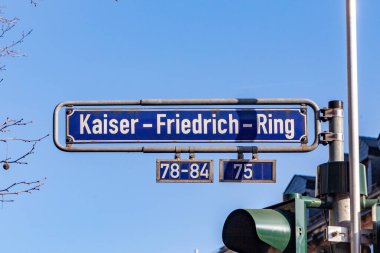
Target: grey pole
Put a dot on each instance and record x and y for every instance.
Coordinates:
(340, 213)
(353, 125)
(336, 148)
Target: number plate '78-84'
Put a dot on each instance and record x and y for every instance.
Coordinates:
(187, 171)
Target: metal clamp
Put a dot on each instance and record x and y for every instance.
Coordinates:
(328, 137)
(241, 156)
(328, 113)
(337, 234)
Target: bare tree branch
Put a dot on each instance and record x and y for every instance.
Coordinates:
(30, 187)
(34, 2)
(9, 122)
(9, 51)
(9, 48)
(6, 200)
(9, 160)
(7, 25)
(23, 140)
(19, 160)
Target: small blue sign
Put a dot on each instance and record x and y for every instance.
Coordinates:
(255, 171)
(186, 125)
(185, 171)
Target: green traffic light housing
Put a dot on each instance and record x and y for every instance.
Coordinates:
(283, 227)
(259, 231)
(275, 229)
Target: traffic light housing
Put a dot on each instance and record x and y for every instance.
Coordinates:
(259, 231)
(278, 228)
(283, 227)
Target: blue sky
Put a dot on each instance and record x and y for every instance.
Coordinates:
(81, 50)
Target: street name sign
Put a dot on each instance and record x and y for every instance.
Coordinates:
(184, 171)
(112, 125)
(241, 170)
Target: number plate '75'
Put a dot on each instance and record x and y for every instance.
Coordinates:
(240, 170)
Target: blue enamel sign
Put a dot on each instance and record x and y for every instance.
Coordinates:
(239, 170)
(185, 171)
(186, 125)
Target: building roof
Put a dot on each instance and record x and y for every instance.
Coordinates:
(373, 144)
(371, 141)
(302, 184)
(368, 146)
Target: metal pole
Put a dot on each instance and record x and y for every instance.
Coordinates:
(336, 148)
(353, 126)
(340, 212)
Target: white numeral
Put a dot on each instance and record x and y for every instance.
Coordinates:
(248, 171)
(174, 170)
(165, 166)
(194, 170)
(239, 166)
(204, 171)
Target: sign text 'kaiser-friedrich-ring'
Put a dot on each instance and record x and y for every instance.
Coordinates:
(186, 125)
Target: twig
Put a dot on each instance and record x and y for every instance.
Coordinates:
(19, 160)
(34, 2)
(11, 122)
(7, 25)
(23, 140)
(35, 186)
(9, 51)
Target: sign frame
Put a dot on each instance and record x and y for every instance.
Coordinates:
(209, 161)
(161, 103)
(221, 170)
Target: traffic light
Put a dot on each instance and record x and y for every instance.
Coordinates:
(278, 228)
(283, 227)
(259, 231)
